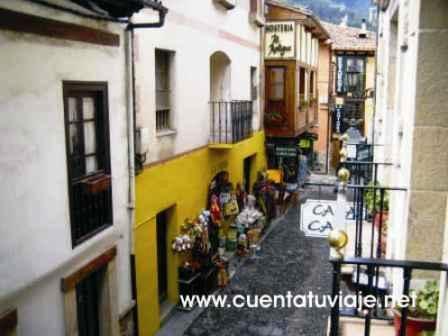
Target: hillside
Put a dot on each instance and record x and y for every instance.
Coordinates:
(335, 10)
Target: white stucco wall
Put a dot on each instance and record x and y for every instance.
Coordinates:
(36, 250)
(193, 32)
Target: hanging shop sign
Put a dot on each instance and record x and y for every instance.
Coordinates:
(280, 39)
(340, 74)
(338, 126)
(351, 152)
(286, 151)
(317, 217)
(364, 153)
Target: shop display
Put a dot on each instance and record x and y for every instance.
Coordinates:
(231, 224)
(242, 245)
(250, 216)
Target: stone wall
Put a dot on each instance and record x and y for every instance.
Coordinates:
(429, 177)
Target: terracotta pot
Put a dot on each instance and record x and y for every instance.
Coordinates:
(414, 325)
(96, 184)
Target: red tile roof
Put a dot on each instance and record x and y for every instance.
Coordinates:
(347, 38)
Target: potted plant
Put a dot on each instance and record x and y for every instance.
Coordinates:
(304, 104)
(377, 210)
(274, 118)
(422, 318)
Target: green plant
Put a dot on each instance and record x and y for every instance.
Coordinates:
(304, 104)
(274, 116)
(427, 302)
(372, 196)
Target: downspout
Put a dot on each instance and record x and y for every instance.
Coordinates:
(129, 38)
(131, 129)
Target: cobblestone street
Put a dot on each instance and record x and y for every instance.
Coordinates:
(288, 261)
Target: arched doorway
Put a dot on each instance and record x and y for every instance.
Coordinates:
(220, 77)
(220, 98)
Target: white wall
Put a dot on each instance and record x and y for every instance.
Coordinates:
(36, 250)
(194, 32)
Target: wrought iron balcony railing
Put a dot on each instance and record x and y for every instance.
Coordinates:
(230, 121)
(372, 268)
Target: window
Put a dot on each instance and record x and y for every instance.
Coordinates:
(163, 90)
(350, 75)
(253, 84)
(312, 87)
(88, 158)
(277, 83)
(302, 83)
(88, 298)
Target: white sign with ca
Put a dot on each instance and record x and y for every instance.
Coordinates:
(317, 217)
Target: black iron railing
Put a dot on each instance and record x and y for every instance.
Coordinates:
(364, 172)
(372, 202)
(91, 207)
(230, 121)
(372, 269)
(369, 203)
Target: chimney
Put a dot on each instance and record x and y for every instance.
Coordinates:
(344, 21)
(363, 33)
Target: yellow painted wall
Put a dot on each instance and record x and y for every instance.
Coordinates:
(180, 184)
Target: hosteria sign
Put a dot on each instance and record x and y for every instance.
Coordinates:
(280, 38)
(317, 217)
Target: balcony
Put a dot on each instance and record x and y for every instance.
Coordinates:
(230, 122)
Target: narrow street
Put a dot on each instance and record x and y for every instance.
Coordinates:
(288, 261)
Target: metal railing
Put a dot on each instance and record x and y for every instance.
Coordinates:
(230, 121)
(372, 267)
(369, 202)
(91, 201)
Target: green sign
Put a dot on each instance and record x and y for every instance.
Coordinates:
(305, 143)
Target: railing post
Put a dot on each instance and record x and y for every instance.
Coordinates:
(334, 324)
(368, 318)
(404, 311)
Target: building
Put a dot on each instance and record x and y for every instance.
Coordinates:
(353, 73)
(412, 123)
(65, 210)
(291, 50)
(198, 84)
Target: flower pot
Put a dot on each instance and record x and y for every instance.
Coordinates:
(415, 326)
(97, 183)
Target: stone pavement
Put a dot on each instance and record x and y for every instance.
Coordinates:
(288, 262)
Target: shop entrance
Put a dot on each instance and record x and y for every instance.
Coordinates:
(247, 168)
(162, 260)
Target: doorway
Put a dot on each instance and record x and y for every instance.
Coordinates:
(162, 258)
(247, 168)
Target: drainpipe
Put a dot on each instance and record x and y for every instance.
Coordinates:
(131, 128)
(129, 45)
